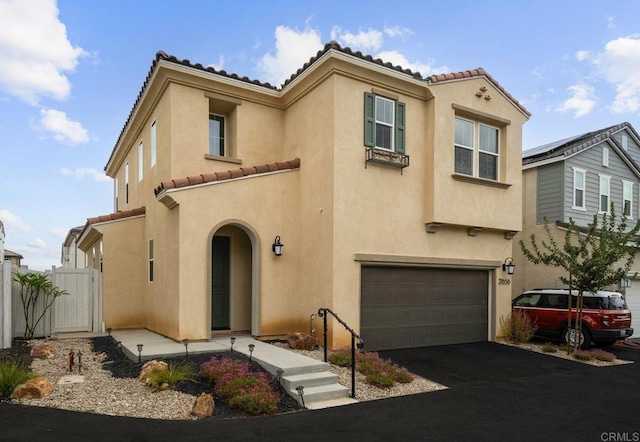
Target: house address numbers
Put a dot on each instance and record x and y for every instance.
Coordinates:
(504, 281)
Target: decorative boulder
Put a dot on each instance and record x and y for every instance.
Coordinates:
(36, 388)
(301, 341)
(42, 351)
(203, 406)
(150, 367)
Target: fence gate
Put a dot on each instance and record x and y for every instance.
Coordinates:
(74, 312)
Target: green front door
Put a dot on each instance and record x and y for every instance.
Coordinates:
(220, 283)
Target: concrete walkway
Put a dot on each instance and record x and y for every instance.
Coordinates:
(321, 387)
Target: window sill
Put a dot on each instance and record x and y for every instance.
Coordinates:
(481, 181)
(221, 158)
(386, 158)
(581, 209)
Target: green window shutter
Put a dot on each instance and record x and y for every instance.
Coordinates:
(400, 127)
(369, 119)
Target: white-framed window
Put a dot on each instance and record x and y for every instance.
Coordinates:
(126, 182)
(605, 190)
(625, 142)
(627, 199)
(140, 161)
(579, 185)
(605, 156)
(216, 135)
(384, 123)
(152, 152)
(150, 260)
(476, 149)
(115, 193)
(101, 256)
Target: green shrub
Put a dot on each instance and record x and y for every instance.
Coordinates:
(341, 358)
(175, 372)
(518, 327)
(602, 355)
(401, 374)
(380, 380)
(255, 401)
(583, 355)
(13, 374)
(549, 348)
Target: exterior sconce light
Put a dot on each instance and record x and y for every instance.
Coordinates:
(277, 246)
(251, 347)
(625, 283)
(140, 352)
(508, 266)
(233, 340)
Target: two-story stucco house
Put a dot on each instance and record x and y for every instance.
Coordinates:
(577, 178)
(392, 196)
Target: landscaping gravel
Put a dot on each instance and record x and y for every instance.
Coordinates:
(109, 383)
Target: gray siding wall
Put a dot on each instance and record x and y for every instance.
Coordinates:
(550, 192)
(591, 161)
(632, 147)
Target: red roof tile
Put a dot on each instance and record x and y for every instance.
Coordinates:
(227, 175)
(117, 215)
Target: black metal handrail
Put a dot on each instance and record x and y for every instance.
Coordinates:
(323, 314)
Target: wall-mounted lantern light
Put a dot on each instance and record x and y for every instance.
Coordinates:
(277, 246)
(508, 266)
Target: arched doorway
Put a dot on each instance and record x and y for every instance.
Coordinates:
(231, 279)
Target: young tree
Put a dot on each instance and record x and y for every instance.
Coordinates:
(32, 286)
(594, 258)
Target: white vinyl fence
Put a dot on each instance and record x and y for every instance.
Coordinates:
(79, 311)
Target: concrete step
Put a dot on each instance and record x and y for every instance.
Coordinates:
(318, 405)
(313, 379)
(321, 393)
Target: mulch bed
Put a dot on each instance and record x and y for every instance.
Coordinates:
(121, 367)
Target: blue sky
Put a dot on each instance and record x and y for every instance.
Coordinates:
(70, 71)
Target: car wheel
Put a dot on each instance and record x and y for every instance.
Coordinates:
(583, 336)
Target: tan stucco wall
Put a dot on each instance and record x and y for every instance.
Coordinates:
(326, 212)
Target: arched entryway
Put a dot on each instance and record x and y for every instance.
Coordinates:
(231, 276)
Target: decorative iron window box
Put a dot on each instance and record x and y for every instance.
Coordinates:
(386, 158)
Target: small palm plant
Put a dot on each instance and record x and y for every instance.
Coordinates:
(175, 373)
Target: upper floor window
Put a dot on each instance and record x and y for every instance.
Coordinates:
(627, 199)
(384, 123)
(605, 157)
(476, 149)
(625, 142)
(153, 144)
(140, 161)
(605, 186)
(579, 179)
(115, 192)
(216, 135)
(126, 182)
(150, 260)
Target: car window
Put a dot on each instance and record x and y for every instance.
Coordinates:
(592, 303)
(613, 303)
(555, 301)
(527, 300)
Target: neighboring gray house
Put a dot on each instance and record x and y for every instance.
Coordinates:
(72, 257)
(577, 178)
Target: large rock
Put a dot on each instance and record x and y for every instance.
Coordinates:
(203, 406)
(301, 341)
(150, 367)
(42, 351)
(36, 388)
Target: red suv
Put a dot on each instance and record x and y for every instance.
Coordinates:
(605, 316)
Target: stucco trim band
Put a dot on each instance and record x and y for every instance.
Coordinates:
(425, 261)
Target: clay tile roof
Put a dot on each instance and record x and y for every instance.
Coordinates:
(117, 215)
(227, 175)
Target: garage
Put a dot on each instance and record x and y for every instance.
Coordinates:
(632, 298)
(405, 307)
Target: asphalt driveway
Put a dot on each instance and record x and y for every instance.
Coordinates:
(495, 393)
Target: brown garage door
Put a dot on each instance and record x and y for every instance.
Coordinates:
(404, 307)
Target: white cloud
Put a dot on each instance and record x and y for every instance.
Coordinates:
(293, 49)
(37, 243)
(398, 59)
(619, 65)
(219, 65)
(581, 101)
(82, 172)
(369, 40)
(582, 55)
(11, 220)
(58, 232)
(611, 22)
(397, 31)
(35, 51)
(63, 129)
